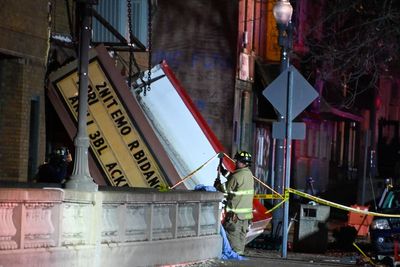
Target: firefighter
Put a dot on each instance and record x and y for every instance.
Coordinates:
(239, 189)
(56, 170)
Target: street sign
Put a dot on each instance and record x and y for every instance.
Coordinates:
(303, 93)
(298, 130)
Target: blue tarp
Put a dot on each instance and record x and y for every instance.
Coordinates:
(227, 252)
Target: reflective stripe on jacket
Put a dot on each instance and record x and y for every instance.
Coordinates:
(240, 191)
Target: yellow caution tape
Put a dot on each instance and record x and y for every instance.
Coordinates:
(268, 196)
(276, 195)
(274, 192)
(286, 197)
(339, 206)
(193, 172)
(365, 255)
(287, 194)
(276, 206)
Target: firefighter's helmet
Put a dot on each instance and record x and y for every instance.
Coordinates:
(59, 155)
(243, 156)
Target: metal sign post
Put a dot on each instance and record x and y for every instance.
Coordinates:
(290, 94)
(288, 154)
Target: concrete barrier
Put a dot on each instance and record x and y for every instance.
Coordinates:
(132, 227)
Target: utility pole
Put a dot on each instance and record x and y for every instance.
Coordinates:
(81, 179)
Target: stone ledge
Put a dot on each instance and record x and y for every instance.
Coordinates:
(153, 224)
(31, 195)
(132, 254)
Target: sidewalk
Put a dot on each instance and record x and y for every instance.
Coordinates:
(334, 256)
(255, 257)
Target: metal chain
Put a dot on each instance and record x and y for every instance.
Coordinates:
(132, 60)
(149, 40)
(129, 6)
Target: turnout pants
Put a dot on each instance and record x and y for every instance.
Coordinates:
(236, 230)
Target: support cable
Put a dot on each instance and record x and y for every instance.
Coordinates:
(132, 60)
(149, 43)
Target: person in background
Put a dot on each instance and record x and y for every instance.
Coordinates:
(56, 169)
(239, 201)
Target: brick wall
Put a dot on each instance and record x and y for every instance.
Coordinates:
(23, 48)
(59, 14)
(198, 40)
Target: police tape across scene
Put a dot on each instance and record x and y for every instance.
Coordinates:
(289, 191)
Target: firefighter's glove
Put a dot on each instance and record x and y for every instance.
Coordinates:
(217, 183)
(222, 170)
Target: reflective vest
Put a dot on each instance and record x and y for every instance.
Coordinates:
(240, 193)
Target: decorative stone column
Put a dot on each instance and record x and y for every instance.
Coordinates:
(7, 227)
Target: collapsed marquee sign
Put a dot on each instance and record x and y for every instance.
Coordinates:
(145, 141)
(121, 153)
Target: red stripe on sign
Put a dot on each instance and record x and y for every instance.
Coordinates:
(215, 143)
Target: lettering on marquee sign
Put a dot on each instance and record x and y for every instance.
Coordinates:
(117, 145)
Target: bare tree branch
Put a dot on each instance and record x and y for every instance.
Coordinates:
(359, 42)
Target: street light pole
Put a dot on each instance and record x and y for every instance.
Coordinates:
(282, 11)
(80, 178)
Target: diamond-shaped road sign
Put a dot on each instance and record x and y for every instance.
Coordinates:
(302, 96)
(303, 93)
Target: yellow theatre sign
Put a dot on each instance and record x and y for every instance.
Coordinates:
(116, 140)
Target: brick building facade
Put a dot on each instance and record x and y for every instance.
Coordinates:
(198, 41)
(23, 49)
(201, 53)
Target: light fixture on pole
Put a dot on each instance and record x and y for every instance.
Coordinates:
(282, 12)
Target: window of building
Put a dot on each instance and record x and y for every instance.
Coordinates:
(116, 13)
